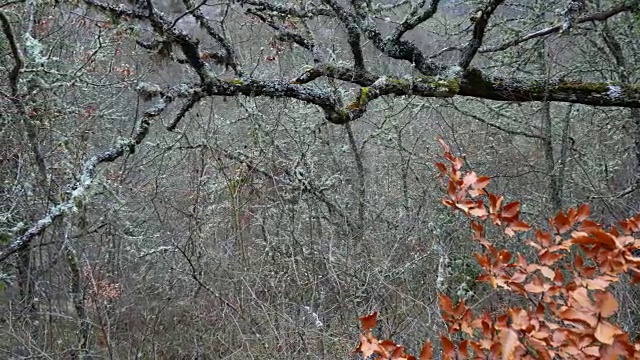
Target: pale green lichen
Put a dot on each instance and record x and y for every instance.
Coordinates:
(236, 82)
(34, 49)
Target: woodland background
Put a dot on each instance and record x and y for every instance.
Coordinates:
(242, 179)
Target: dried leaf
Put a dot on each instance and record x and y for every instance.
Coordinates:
(583, 213)
(562, 224)
(578, 316)
(446, 305)
(509, 341)
(368, 322)
(481, 182)
(606, 332)
(606, 303)
(448, 350)
(427, 351)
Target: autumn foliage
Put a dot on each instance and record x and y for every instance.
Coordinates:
(567, 284)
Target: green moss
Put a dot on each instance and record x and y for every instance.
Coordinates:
(454, 85)
(580, 86)
(237, 82)
(363, 97)
(451, 86)
(342, 113)
(400, 85)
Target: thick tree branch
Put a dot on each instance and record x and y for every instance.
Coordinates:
(481, 20)
(474, 83)
(275, 89)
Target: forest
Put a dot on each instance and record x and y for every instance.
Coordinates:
(293, 179)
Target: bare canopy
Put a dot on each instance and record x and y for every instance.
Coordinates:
(448, 72)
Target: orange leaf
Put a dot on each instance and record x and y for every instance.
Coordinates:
(466, 205)
(583, 213)
(562, 223)
(479, 211)
(547, 272)
(457, 163)
(369, 346)
(398, 354)
(504, 256)
(519, 226)
(427, 351)
(511, 210)
(509, 231)
(448, 350)
(452, 190)
(617, 350)
(543, 238)
(478, 230)
(581, 298)
(607, 304)
(604, 238)
(597, 283)
(592, 350)
(536, 286)
(588, 225)
(559, 278)
(509, 340)
(446, 305)
(368, 322)
(519, 319)
(483, 260)
(449, 203)
(463, 349)
(482, 182)
(495, 203)
(606, 332)
(549, 258)
(389, 345)
(469, 179)
(578, 316)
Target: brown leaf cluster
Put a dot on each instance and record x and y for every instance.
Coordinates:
(571, 312)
